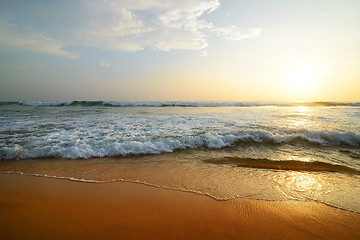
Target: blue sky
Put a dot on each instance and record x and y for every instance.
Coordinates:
(190, 50)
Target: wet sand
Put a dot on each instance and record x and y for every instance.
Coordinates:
(44, 208)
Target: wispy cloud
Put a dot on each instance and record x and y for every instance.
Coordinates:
(104, 64)
(233, 33)
(15, 37)
(162, 25)
(124, 25)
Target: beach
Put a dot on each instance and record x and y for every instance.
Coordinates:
(46, 208)
(204, 119)
(179, 170)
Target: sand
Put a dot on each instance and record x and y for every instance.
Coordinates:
(44, 208)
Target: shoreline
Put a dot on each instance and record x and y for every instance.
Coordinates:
(38, 207)
(151, 185)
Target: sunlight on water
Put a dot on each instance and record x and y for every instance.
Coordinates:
(306, 185)
(302, 159)
(301, 119)
(303, 182)
(302, 109)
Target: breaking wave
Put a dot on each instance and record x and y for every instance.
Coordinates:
(65, 146)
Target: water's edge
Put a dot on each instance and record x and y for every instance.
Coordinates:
(190, 191)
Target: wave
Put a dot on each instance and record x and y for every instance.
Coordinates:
(64, 147)
(320, 138)
(322, 104)
(264, 163)
(141, 104)
(177, 104)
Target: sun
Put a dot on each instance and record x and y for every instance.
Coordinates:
(302, 80)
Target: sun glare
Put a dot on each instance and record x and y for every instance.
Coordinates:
(302, 79)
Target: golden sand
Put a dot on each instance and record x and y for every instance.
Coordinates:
(44, 208)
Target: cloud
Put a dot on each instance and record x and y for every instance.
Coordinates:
(15, 37)
(233, 33)
(162, 25)
(104, 64)
(124, 25)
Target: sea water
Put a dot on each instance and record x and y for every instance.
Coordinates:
(226, 150)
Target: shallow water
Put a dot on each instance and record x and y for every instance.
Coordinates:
(266, 151)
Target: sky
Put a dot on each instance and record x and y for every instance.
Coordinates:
(189, 50)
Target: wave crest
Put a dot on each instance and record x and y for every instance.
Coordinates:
(65, 147)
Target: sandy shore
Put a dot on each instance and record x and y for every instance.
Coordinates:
(43, 208)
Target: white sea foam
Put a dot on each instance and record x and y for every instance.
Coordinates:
(71, 132)
(68, 145)
(45, 104)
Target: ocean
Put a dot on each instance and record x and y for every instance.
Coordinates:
(303, 151)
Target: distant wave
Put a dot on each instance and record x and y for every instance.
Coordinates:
(293, 165)
(324, 104)
(142, 104)
(176, 104)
